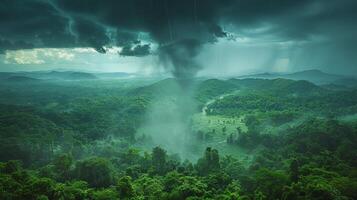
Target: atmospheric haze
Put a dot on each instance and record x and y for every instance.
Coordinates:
(186, 38)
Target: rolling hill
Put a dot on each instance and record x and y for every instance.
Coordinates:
(21, 79)
(314, 76)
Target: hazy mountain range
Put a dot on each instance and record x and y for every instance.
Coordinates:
(61, 75)
(315, 76)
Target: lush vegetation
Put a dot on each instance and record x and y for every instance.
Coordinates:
(282, 139)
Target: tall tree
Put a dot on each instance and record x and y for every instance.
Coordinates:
(159, 160)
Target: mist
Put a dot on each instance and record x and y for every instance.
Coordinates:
(167, 123)
(178, 99)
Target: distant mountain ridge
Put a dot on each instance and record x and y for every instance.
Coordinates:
(114, 74)
(21, 79)
(69, 75)
(65, 75)
(52, 75)
(314, 76)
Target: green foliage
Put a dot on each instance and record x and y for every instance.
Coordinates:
(209, 163)
(211, 88)
(159, 160)
(271, 183)
(125, 188)
(62, 165)
(79, 143)
(104, 194)
(98, 172)
(148, 188)
(284, 98)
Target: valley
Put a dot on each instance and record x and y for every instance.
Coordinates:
(178, 100)
(255, 128)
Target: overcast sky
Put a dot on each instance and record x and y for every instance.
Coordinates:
(181, 37)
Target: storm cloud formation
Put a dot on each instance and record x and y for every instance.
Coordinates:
(178, 28)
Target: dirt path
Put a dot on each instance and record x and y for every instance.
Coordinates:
(214, 100)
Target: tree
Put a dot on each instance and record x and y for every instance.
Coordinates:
(233, 190)
(148, 188)
(76, 190)
(125, 188)
(62, 165)
(43, 186)
(12, 166)
(230, 139)
(159, 160)
(104, 194)
(217, 181)
(239, 130)
(294, 170)
(231, 166)
(271, 183)
(209, 163)
(179, 187)
(98, 172)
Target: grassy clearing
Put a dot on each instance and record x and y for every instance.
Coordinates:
(219, 126)
(216, 129)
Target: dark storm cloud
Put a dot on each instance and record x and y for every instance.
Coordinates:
(33, 22)
(170, 24)
(91, 34)
(125, 38)
(9, 45)
(138, 50)
(181, 54)
(167, 21)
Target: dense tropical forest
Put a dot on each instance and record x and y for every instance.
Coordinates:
(83, 137)
(178, 100)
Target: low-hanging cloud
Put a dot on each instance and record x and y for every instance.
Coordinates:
(174, 26)
(138, 50)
